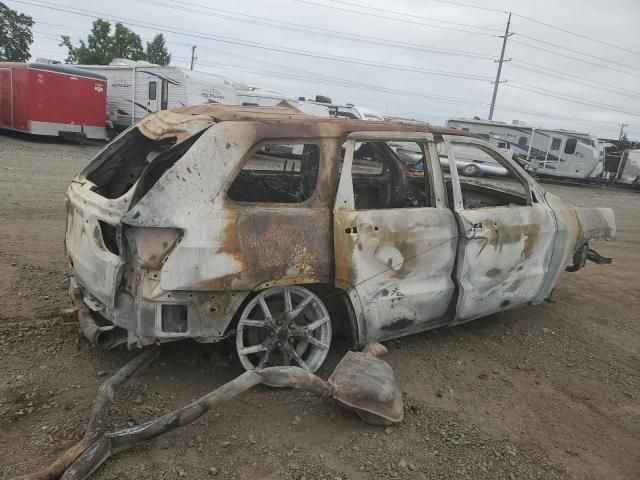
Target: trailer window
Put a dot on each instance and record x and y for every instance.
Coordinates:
(278, 173)
(522, 141)
(555, 144)
(153, 86)
(570, 146)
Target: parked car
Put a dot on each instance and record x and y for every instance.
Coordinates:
(281, 229)
(474, 164)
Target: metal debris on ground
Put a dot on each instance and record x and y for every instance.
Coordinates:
(361, 382)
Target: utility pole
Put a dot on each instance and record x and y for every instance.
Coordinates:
(622, 125)
(500, 62)
(193, 56)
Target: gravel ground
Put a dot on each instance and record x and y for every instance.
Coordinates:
(544, 392)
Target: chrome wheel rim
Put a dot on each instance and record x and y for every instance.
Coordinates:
(287, 325)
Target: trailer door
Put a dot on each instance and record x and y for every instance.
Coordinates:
(164, 95)
(152, 102)
(6, 97)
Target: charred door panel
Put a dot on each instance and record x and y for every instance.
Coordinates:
(400, 263)
(503, 258)
(282, 246)
(506, 241)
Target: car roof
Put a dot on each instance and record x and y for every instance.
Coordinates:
(287, 113)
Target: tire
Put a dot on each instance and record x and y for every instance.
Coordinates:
(471, 171)
(287, 325)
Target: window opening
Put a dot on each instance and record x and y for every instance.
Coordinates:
(278, 173)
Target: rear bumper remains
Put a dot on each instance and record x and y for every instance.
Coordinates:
(104, 335)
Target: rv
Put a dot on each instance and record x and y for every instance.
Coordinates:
(261, 97)
(136, 89)
(348, 110)
(356, 112)
(255, 96)
(556, 153)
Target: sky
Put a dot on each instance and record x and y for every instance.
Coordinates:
(425, 59)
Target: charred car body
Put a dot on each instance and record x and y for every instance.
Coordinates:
(283, 229)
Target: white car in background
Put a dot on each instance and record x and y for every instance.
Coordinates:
(470, 162)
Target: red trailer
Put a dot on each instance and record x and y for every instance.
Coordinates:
(50, 99)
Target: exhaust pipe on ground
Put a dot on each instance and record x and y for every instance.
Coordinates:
(103, 336)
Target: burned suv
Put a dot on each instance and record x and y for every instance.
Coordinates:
(282, 229)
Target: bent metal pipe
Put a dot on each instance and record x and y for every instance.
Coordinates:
(363, 396)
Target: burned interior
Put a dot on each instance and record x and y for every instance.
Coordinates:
(117, 168)
(381, 179)
(278, 173)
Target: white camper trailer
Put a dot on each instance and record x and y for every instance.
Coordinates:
(256, 96)
(135, 89)
(262, 97)
(355, 111)
(557, 153)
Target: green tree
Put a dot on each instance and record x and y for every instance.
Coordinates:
(96, 50)
(15, 35)
(126, 44)
(157, 51)
(101, 47)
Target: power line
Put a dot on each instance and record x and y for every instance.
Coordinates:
(574, 58)
(531, 19)
(348, 83)
(405, 14)
(540, 70)
(521, 43)
(563, 47)
(459, 4)
(454, 100)
(351, 84)
(369, 39)
(574, 33)
(369, 14)
(570, 98)
(576, 51)
(305, 53)
(324, 32)
(86, 31)
(326, 79)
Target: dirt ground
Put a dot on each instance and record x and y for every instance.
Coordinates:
(544, 392)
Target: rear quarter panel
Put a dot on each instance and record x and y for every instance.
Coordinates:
(234, 246)
(576, 226)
